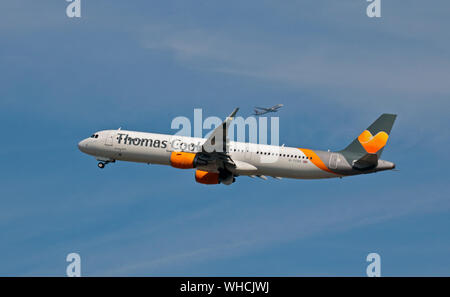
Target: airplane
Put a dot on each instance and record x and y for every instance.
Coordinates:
(217, 160)
(263, 110)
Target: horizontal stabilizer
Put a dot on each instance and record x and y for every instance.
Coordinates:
(366, 162)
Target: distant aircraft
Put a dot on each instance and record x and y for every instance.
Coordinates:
(263, 110)
(219, 160)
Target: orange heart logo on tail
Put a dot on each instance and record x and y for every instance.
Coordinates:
(373, 144)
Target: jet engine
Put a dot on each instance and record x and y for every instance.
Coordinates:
(226, 178)
(207, 178)
(182, 160)
(213, 178)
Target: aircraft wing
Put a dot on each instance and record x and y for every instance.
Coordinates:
(257, 112)
(263, 108)
(214, 156)
(217, 142)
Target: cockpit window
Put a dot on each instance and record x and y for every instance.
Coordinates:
(94, 136)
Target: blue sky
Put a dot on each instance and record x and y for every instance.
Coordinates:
(139, 65)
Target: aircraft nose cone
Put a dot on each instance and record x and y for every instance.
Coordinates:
(82, 145)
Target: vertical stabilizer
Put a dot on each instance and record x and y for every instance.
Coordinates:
(373, 139)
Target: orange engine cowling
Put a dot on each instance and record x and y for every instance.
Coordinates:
(182, 160)
(207, 178)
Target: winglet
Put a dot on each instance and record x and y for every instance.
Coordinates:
(231, 116)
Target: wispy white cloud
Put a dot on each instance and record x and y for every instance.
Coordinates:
(311, 62)
(242, 232)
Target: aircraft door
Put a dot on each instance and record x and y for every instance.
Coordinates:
(247, 154)
(333, 161)
(110, 139)
(294, 163)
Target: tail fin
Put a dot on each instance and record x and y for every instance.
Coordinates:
(374, 138)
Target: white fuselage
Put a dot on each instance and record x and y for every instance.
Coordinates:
(251, 159)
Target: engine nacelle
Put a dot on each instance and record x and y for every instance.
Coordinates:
(207, 178)
(226, 179)
(182, 160)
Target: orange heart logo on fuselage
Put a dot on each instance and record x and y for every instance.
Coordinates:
(373, 144)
